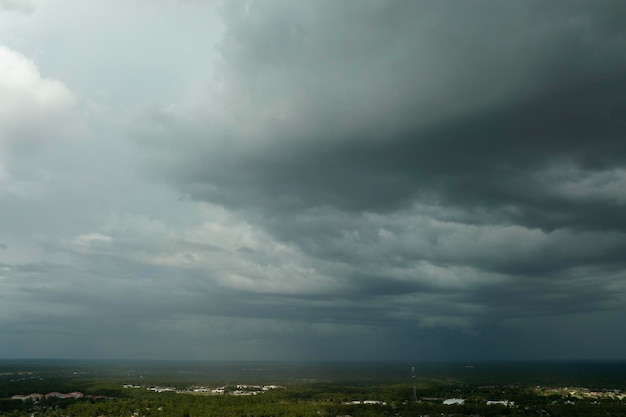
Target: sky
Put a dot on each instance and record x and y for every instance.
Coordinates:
(319, 180)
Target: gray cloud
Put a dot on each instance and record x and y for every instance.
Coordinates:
(413, 148)
(405, 178)
(27, 6)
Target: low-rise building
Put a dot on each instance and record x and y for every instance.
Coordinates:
(454, 401)
(505, 403)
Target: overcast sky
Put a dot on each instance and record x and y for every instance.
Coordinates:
(413, 180)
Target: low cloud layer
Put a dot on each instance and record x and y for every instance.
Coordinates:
(27, 6)
(381, 180)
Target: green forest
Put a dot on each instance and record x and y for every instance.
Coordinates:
(214, 389)
(315, 400)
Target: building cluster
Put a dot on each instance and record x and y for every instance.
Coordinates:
(253, 389)
(582, 393)
(461, 401)
(162, 389)
(234, 390)
(218, 390)
(366, 402)
(505, 403)
(39, 397)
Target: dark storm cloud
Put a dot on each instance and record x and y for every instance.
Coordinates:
(410, 179)
(468, 153)
(489, 155)
(492, 160)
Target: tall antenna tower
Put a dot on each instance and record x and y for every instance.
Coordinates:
(414, 388)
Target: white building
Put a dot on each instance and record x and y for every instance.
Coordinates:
(505, 403)
(454, 401)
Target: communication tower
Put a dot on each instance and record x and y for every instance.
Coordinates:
(414, 388)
